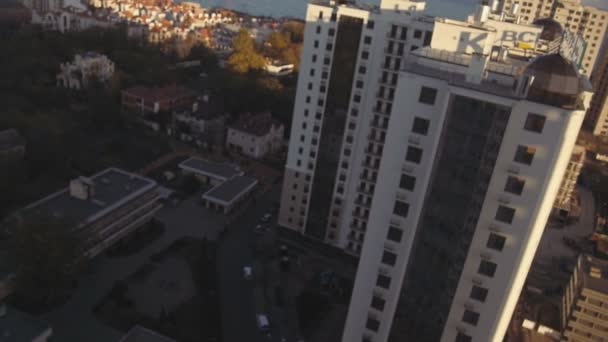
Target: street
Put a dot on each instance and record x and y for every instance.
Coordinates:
(237, 299)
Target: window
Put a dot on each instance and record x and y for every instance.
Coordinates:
(470, 317)
(372, 324)
(524, 154)
(461, 337)
(393, 31)
(319, 29)
(364, 55)
(515, 185)
(427, 95)
(309, 85)
(403, 35)
(367, 40)
(383, 281)
(504, 214)
(487, 268)
(307, 99)
(496, 242)
(357, 98)
(314, 58)
(312, 72)
(370, 24)
(535, 123)
(414, 154)
(479, 293)
(417, 34)
(331, 32)
(326, 61)
(420, 126)
(329, 46)
(389, 258)
(359, 84)
(413, 47)
(401, 208)
(320, 14)
(334, 16)
(316, 44)
(407, 182)
(394, 234)
(378, 303)
(362, 70)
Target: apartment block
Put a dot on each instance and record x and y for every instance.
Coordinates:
(422, 145)
(584, 313)
(590, 22)
(105, 207)
(563, 201)
(597, 116)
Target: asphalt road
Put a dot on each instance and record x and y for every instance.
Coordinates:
(235, 251)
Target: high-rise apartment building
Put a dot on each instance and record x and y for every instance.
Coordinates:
(588, 21)
(433, 150)
(597, 116)
(584, 313)
(563, 201)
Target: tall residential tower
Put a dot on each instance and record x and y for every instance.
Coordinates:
(433, 149)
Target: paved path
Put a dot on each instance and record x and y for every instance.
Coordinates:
(75, 322)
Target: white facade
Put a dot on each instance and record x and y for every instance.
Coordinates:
(84, 68)
(253, 145)
(391, 153)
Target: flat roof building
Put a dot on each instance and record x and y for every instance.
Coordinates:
(104, 207)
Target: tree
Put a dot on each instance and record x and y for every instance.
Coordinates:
(48, 255)
(278, 43)
(295, 30)
(245, 58)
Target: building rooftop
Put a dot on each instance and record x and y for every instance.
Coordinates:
(222, 171)
(111, 188)
(159, 93)
(10, 138)
(231, 190)
(255, 124)
(16, 326)
(141, 334)
(593, 273)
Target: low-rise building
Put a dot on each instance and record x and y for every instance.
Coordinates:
(13, 14)
(168, 99)
(104, 208)
(584, 314)
(12, 144)
(255, 135)
(84, 69)
(229, 184)
(17, 326)
(278, 68)
(205, 123)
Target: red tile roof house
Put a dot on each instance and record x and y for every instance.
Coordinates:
(255, 135)
(168, 99)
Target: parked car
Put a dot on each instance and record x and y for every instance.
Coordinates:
(263, 323)
(266, 217)
(260, 229)
(247, 272)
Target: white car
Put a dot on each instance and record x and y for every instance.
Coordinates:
(260, 229)
(247, 272)
(266, 217)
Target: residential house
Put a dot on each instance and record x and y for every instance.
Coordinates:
(84, 69)
(255, 135)
(147, 101)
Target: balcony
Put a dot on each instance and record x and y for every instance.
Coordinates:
(378, 124)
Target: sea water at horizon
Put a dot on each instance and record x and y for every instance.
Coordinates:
(455, 9)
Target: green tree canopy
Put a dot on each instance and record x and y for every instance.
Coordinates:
(245, 58)
(277, 43)
(48, 255)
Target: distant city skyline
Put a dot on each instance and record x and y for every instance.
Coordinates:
(455, 9)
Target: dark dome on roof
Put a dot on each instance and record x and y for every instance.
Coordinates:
(553, 81)
(551, 28)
